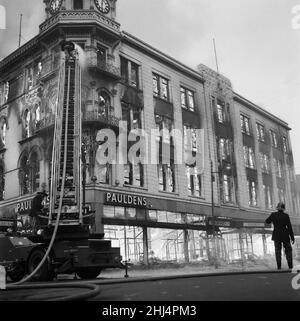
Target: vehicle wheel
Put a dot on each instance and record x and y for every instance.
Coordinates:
(88, 272)
(16, 273)
(45, 273)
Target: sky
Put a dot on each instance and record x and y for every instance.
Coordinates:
(258, 48)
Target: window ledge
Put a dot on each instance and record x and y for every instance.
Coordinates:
(197, 197)
(27, 139)
(189, 110)
(252, 169)
(229, 204)
(134, 187)
(130, 86)
(164, 100)
(246, 134)
(169, 193)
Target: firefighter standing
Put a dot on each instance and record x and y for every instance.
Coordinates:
(36, 208)
(282, 234)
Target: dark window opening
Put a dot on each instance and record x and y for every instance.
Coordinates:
(161, 87)
(34, 173)
(166, 177)
(101, 56)
(245, 124)
(187, 99)
(2, 182)
(252, 192)
(24, 176)
(78, 4)
(130, 73)
(134, 175)
(132, 116)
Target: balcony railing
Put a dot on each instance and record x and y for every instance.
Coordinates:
(44, 123)
(103, 118)
(49, 66)
(105, 67)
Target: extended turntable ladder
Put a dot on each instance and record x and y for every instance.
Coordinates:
(66, 156)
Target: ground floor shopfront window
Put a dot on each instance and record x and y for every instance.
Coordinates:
(166, 245)
(153, 236)
(129, 239)
(247, 246)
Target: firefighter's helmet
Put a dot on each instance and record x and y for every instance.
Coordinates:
(280, 206)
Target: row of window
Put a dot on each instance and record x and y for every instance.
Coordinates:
(29, 177)
(268, 194)
(249, 158)
(261, 133)
(161, 85)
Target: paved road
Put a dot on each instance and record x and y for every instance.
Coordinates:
(254, 287)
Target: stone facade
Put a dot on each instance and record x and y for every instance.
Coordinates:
(28, 112)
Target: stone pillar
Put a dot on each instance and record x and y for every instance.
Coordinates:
(145, 246)
(241, 246)
(264, 244)
(186, 245)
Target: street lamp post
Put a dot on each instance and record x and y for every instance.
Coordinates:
(83, 157)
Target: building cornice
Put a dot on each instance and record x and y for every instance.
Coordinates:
(19, 52)
(259, 110)
(157, 54)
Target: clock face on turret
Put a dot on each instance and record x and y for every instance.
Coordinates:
(103, 6)
(55, 5)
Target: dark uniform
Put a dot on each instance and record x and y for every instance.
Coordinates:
(36, 208)
(282, 234)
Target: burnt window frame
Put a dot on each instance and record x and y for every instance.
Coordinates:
(248, 153)
(131, 179)
(193, 178)
(24, 175)
(285, 144)
(268, 191)
(131, 112)
(245, 120)
(220, 111)
(250, 186)
(279, 170)
(274, 138)
(185, 99)
(230, 184)
(127, 67)
(168, 171)
(163, 122)
(159, 81)
(259, 129)
(265, 161)
(227, 148)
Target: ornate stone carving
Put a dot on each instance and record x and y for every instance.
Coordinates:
(72, 15)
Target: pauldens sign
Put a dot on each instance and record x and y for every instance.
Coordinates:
(118, 199)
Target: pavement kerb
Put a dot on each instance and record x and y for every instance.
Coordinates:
(184, 276)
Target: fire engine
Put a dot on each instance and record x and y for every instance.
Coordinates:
(61, 236)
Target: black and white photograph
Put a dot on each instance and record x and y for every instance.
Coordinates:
(149, 157)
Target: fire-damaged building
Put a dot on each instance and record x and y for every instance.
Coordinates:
(167, 211)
